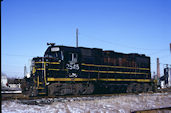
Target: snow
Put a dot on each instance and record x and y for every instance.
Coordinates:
(11, 91)
(104, 104)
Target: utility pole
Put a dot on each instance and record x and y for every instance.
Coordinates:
(158, 69)
(170, 47)
(25, 71)
(77, 37)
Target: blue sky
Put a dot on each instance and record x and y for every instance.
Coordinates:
(128, 26)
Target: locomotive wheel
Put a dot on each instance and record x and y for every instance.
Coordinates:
(63, 92)
(54, 89)
(66, 88)
(147, 88)
(138, 88)
(130, 88)
(24, 86)
(112, 89)
(134, 88)
(123, 89)
(89, 89)
(77, 89)
(51, 90)
(33, 92)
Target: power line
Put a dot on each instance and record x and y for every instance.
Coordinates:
(17, 55)
(12, 65)
(123, 45)
(158, 52)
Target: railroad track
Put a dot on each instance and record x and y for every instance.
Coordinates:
(46, 100)
(158, 110)
(20, 96)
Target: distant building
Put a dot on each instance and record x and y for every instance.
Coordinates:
(165, 80)
(169, 78)
(4, 81)
(14, 83)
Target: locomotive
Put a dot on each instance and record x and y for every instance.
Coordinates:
(66, 70)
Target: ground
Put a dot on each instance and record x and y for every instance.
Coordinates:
(102, 104)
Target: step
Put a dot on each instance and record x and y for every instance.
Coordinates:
(41, 88)
(41, 93)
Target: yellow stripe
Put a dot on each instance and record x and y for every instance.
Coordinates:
(54, 69)
(70, 79)
(40, 69)
(94, 79)
(113, 72)
(38, 81)
(114, 66)
(45, 73)
(34, 70)
(34, 81)
(137, 80)
(47, 62)
(58, 69)
(91, 71)
(54, 63)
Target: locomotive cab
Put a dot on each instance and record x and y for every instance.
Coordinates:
(54, 52)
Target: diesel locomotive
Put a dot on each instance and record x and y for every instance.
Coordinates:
(79, 70)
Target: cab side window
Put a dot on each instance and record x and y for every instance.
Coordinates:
(73, 57)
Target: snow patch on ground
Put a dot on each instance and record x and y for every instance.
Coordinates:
(112, 104)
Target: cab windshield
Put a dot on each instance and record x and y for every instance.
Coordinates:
(58, 55)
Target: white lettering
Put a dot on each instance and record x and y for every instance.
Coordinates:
(72, 66)
(73, 75)
(55, 49)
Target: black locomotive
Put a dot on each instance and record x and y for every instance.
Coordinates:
(78, 70)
